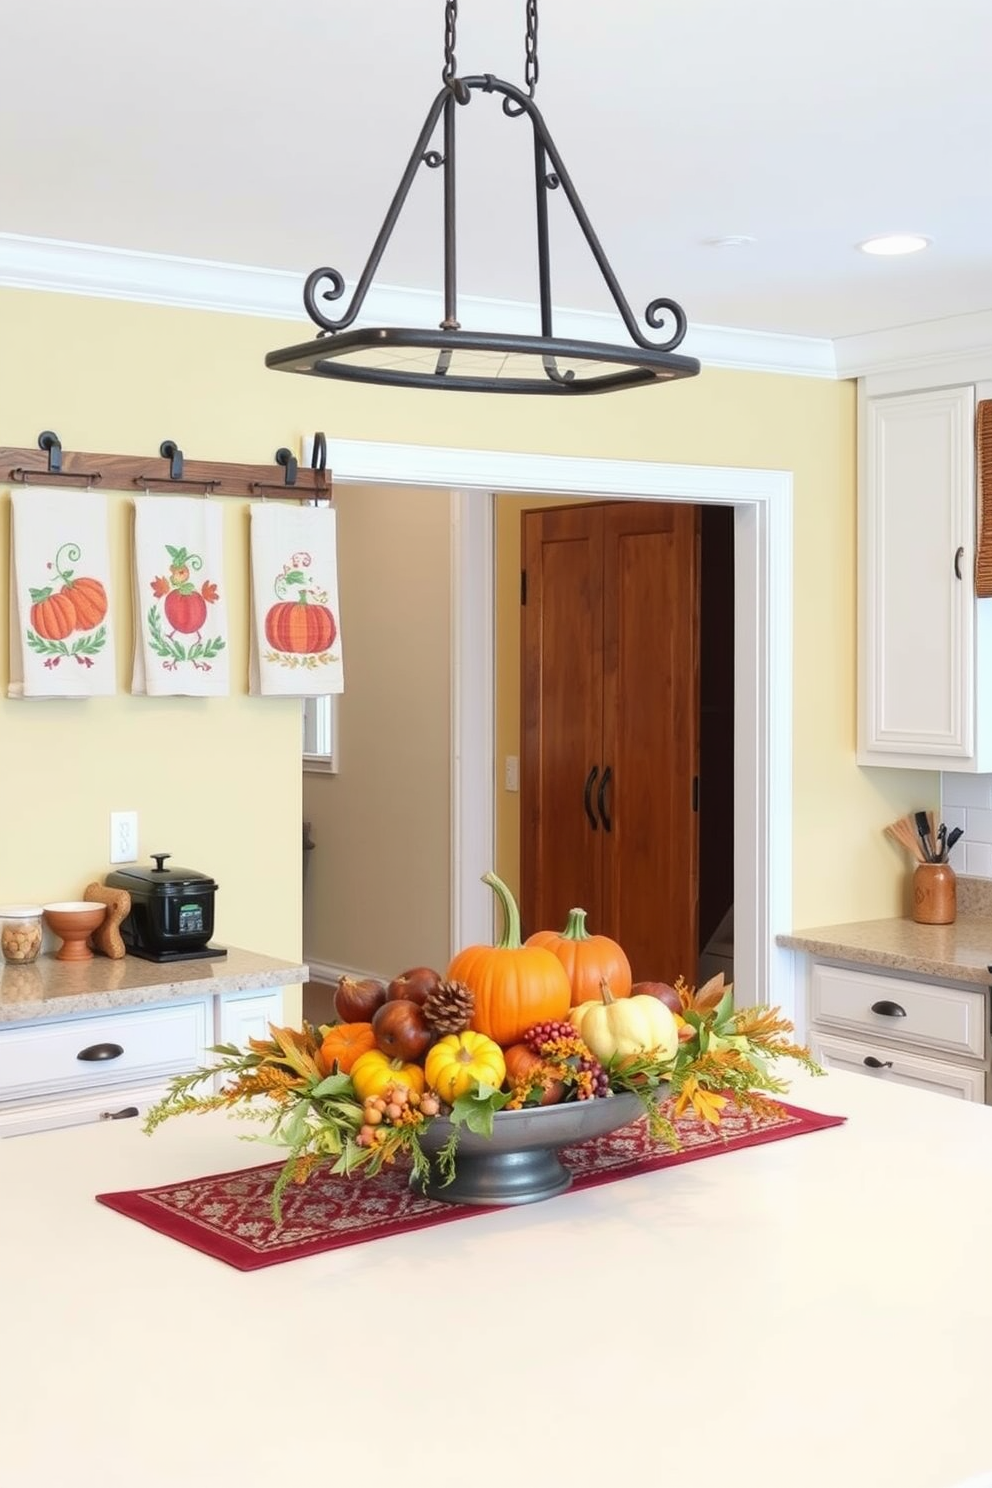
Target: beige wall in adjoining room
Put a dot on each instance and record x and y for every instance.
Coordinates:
(378, 879)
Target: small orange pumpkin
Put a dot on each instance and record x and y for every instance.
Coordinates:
(53, 616)
(343, 1044)
(300, 628)
(588, 959)
(524, 1067)
(514, 985)
(89, 601)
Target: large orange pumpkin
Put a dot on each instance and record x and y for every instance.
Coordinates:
(89, 601)
(300, 628)
(588, 959)
(515, 985)
(53, 616)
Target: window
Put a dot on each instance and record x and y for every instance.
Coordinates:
(320, 742)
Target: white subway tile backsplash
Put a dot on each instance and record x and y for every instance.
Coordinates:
(966, 802)
(978, 825)
(966, 790)
(977, 859)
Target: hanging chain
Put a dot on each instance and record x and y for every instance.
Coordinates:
(450, 17)
(531, 68)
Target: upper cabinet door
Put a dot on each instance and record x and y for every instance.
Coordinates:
(918, 615)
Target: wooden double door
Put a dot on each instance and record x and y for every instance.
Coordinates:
(610, 727)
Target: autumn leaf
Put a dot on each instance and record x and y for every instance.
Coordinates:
(710, 994)
(159, 587)
(209, 591)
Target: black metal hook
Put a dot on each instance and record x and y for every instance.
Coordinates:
(169, 450)
(318, 455)
(287, 459)
(52, 445)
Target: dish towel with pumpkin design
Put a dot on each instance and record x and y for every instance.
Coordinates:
(295, 629)
(61, 634)
(181, 638)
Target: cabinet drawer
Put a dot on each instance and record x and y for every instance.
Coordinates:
(896, 1067)
(44, 1059)
(935, 1016)
(116, 1103)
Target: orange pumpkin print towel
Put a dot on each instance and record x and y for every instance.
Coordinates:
(61, 631)
(295, 624)
(180, 598)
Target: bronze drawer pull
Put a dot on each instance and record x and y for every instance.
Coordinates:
(874, 1063)
(120, 1115)
(888, 1009)
(101, 1051)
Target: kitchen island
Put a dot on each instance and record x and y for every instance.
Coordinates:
(814, 1313)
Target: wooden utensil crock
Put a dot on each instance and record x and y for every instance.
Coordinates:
(934, 894)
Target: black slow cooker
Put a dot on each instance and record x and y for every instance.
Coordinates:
(172, 912)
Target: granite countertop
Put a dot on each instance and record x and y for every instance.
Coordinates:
(61, 989)
(961, 952)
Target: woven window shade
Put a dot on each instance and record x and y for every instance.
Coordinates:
(983, 451)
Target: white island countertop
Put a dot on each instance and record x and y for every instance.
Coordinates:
(50, 988)
(814, 1313)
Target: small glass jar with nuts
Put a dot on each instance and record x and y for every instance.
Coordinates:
(20, 932)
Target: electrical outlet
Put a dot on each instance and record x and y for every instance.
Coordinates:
(123, 836)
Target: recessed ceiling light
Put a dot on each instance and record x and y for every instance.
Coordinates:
(732, 240)
(895, 243)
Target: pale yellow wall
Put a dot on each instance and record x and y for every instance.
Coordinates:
(378, 879)
(216, 782)
(221, 779)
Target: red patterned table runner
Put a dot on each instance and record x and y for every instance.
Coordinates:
(228, 1215)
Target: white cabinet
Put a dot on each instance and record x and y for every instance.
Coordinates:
(898, 1067)
(109, 1066)
(247, 1015)
(924, 639)
(897, 1030)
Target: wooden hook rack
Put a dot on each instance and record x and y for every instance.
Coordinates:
(50, 465)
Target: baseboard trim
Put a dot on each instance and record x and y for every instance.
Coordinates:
(329, 974)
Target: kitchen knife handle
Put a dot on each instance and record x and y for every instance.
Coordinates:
(101, 1051)
(888, 1009)
(590, 782)
(957, 562)
(874, 1063)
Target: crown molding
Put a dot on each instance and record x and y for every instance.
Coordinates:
(931, 344)
(58, 267)
(61, 267)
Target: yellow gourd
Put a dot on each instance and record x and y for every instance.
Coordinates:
(632, 1026)
(373, 1071)
(462, 1060)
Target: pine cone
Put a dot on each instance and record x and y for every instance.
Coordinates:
(449, 1008)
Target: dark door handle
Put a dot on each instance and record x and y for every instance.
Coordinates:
(888, 1009)
(101, 1051)
(957, 562)
(601, 799)
(590, 782)
(120, 1115)
(874, 1063)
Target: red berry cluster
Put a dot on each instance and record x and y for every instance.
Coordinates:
(559, 1044)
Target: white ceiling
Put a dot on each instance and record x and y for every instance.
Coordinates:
(246, 132)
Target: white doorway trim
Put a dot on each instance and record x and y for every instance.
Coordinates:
(762, 502)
